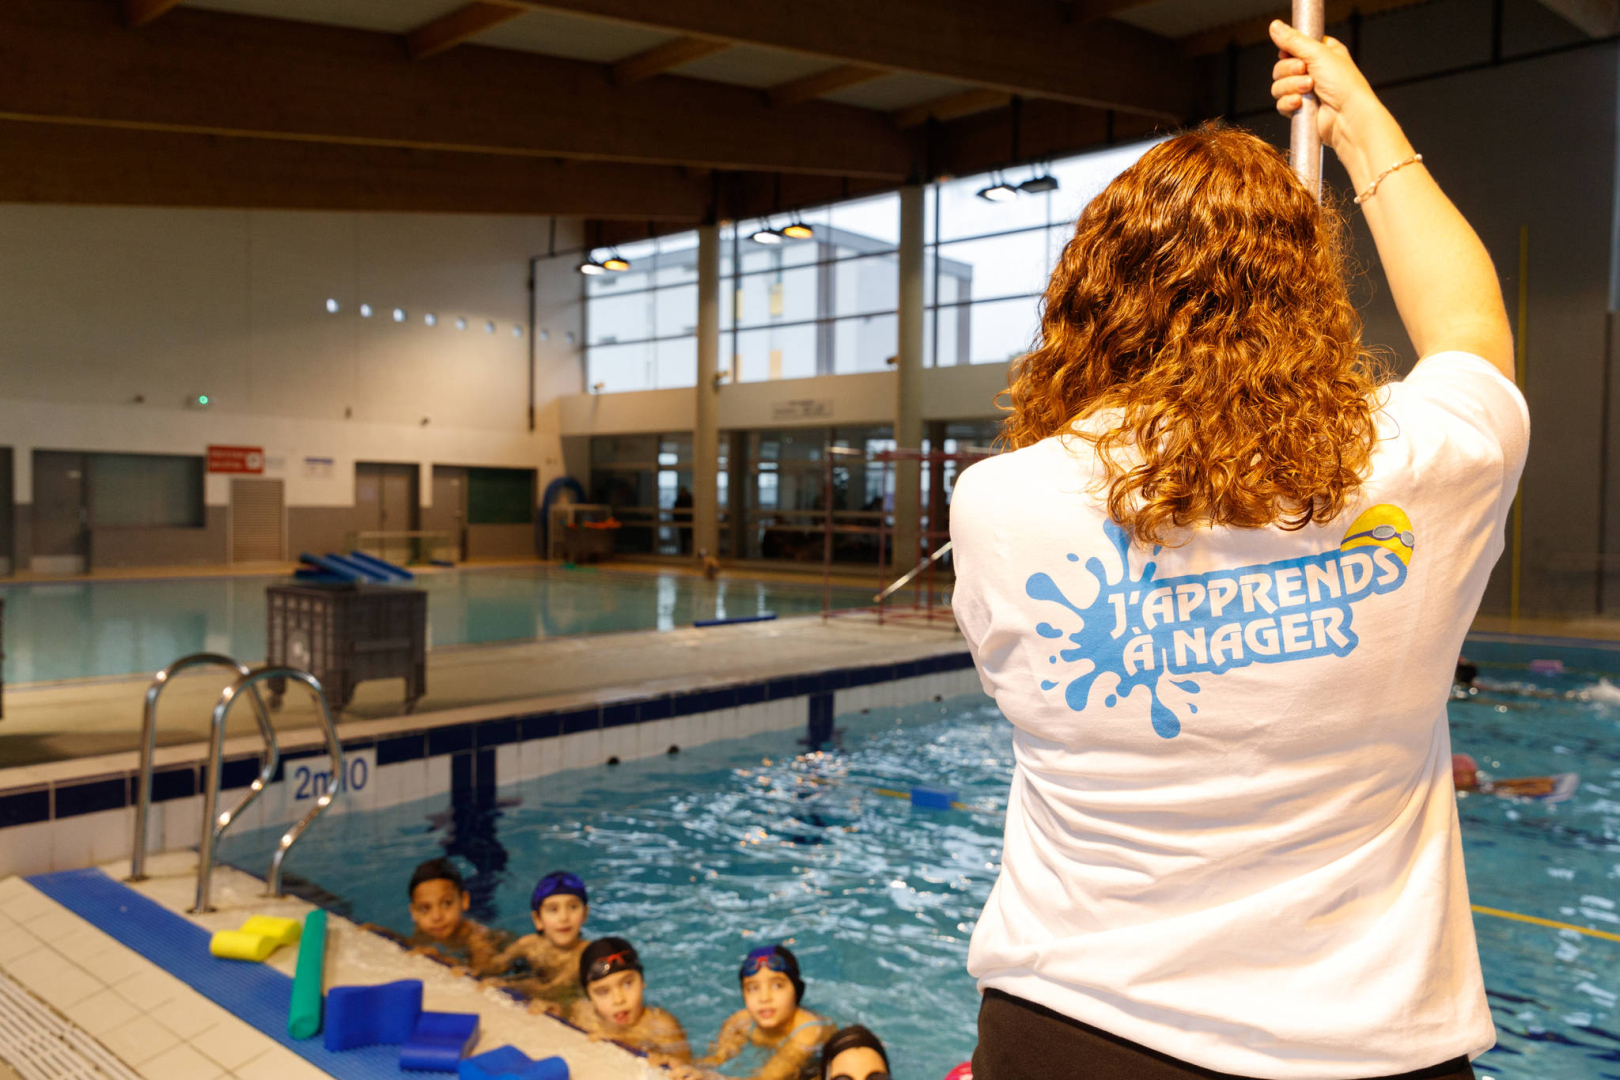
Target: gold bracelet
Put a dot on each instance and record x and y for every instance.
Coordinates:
(1372, 188)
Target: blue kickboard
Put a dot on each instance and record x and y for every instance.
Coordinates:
(257, 994)
(932, 798)
(371, 1015)
(510, 1063)
(439, 1042)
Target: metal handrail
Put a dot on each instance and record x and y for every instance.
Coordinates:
(905, 579)
(214, 826)
(143, 798)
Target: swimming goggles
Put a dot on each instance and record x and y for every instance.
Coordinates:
(612, 963)
(560, 882)
(1385, 532)
(765, 960)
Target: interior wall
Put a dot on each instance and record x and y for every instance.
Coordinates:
(117, 319)
(1527, 144)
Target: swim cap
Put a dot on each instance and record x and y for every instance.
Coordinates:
(774, 958)
(963, 1071)
(558, 883)
(607, 956)
(848, 1039)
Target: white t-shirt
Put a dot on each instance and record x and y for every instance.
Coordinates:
(1231, 834)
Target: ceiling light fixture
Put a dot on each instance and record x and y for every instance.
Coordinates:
(998, 192)
(616, 262)
(591, 268)
(766, 235)
(1037, 184)
(798, 230)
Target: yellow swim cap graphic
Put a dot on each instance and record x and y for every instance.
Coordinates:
(1385, 526)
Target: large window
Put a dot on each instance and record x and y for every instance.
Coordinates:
(826, 304)
(988, 262)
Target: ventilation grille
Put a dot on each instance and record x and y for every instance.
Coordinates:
(42, 1046)
(258, 521)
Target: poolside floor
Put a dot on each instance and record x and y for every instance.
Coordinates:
(164, 1029)
(88, 718)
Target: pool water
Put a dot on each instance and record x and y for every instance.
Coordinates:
(74, 630)
(698, 858)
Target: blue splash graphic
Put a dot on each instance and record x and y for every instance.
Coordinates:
(1143, 631)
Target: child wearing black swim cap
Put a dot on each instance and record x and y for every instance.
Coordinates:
(781, 1034)
(544, 965)
(614, 1008)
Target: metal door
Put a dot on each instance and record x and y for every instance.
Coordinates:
(61, 512)
(258, 521)
(448, 514)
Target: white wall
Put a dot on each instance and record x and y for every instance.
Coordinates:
(102, 306)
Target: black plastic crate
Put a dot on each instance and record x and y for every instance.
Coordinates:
(345, 635)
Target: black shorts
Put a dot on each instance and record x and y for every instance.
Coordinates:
(1019, 1040)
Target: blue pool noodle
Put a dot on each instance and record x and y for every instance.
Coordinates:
(361, 571)
(510, 1063)
(439, 1042)
(332, 567)
(767, 617)
(367, 1015)
(380, 566)
(932, 798)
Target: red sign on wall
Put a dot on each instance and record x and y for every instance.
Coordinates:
(236, 459)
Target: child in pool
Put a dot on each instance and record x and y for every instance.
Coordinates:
(771, 1023)
(548, 959)
(439, 904)
(854, 1053)
(614, 1008)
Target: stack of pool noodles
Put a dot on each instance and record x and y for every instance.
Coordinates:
(260, 936)
(510, 1063)
(304, 1012)
(391, 1014)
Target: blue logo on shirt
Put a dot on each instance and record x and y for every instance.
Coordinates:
(1143, 629)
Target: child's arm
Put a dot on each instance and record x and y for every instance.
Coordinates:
(792, 1056)
(731, 1040)
(666, 1042)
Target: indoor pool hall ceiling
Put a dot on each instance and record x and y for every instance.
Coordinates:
(639, 115)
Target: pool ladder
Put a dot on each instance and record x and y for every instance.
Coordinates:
(214, 821)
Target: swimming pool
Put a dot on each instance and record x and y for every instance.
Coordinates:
(699, 857)
(74, 630)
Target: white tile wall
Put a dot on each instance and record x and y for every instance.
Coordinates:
(437, 781)
(175, 824)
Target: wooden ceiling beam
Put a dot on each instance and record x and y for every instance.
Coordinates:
(218, 73)
(951, 107)
(661, 58)
(1257, 30)
(141, 12)
(72, 164)
(1031, 47)
(462, 24)
(821, 84)
(1594, 18)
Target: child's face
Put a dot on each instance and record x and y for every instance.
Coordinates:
(617, 998)
(559, 919)
(436, 907)
(768, 996)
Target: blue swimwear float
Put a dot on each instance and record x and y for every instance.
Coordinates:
(510, 1063)
(391, 1014)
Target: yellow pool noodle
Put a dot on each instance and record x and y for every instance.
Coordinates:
(281, 931)
(237, 945)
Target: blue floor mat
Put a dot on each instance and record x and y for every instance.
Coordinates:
(257, 994)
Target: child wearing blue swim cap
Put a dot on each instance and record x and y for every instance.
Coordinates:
(544, 965)
(772, 1027)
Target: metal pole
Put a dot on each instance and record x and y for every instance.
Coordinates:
(1304, 141)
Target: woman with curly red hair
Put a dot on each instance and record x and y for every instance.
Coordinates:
(1219, 587)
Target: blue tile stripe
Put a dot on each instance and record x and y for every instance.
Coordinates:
(255, 993)
(479, 737)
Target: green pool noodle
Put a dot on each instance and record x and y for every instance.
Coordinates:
(304, 1013)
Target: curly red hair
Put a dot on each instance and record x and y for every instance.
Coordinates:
(1204, 296)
